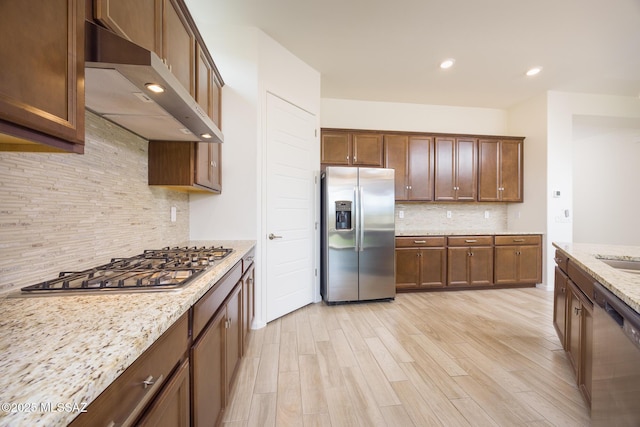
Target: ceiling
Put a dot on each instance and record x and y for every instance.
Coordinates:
(381, 50)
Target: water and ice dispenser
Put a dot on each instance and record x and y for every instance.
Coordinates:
(343, 215)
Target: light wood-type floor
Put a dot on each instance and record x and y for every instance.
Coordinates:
(466, 358)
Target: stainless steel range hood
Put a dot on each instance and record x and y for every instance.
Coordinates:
(116, 74)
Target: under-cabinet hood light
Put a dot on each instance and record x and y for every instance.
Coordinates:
(206, 135)
(154, 87)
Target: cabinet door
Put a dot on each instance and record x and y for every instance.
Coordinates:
(204, 82)
(420, 169)
(586, 353)
(207, 356)
(511, 171)
(560, 306)
(433, 267)
(530, 264)
(444, 178)
(202, 171)
(458, 266)
(507, 260)
(178, 44)
(573, 326)
(367, 150)
(215, 154)
(207, 170)
(171, 407)
(396, 152)
(42, 84)
(481, 266)
(407, 268)
(335, 148)
(138, 21)
(465, 166)
(489, 170)
(233, 337)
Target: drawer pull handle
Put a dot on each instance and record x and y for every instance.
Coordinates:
(470, 241)
(141, 406)
(419, 241)
(518, 240)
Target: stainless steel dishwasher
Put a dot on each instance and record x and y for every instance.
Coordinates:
(616, 362)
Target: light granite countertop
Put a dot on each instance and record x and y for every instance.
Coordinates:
(431, 232)
(625, 286)
(65, 350)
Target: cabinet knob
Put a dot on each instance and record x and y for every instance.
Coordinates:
(577, 311)
(347, 157)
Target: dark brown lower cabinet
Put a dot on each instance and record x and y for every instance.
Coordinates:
(470, 261)
(518, 260)
(248, 291)
(172, 407)
(573, 320)
(560, 306)
(579, 338)
(217, 347)
(233, 338)
(207, 357)
(421, 262)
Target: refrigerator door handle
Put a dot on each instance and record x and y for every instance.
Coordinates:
(356, 215)
(361, 222)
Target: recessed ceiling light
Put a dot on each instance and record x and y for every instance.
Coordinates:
(154, 87)
(533, 71)
(447, 63)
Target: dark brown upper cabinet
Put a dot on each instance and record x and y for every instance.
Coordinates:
(500, 170)
(411, 157)
(346, 148)
(42, 84)
(455, 169)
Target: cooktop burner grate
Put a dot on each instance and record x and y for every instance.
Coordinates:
(157, 269)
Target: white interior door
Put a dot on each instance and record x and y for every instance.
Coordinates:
(290, 207)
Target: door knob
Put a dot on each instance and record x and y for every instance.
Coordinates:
(273, 236)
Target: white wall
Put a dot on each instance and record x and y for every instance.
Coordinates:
(350, 114)
(562, 109)
(606, 173)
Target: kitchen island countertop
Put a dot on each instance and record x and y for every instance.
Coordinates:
(66, 350)
(625, 286)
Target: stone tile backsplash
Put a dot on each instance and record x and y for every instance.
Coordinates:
(65, 212)
(464, 217)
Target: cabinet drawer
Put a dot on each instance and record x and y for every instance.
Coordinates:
(206, 307)
(583, 281)
(562, 260)
(470, 241)
(518, 240)
(420, 241)
(127, 397)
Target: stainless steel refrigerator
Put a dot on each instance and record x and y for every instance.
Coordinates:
(358, 234)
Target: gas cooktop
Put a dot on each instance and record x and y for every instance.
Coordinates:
(169, 268)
